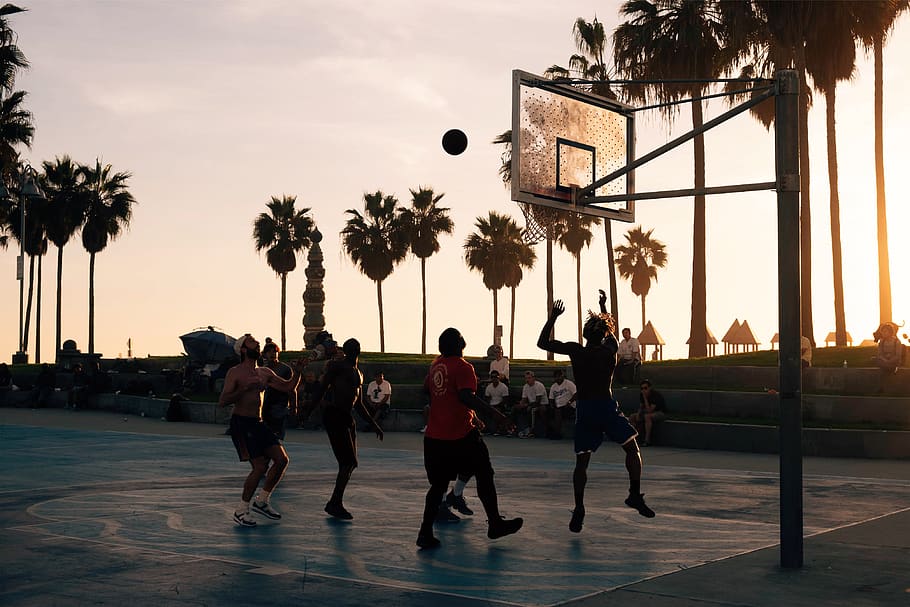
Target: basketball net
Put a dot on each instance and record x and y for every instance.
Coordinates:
(540, 222)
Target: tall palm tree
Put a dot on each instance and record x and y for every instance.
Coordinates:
(638, 261)
(874, 22)
(11, 58)
(376, 242)
(574, 238)
(830, 58)
(67, 203)
(523, 259)
(283, 232)
(108, 211)
(17, 128)
(497, 251)
(424, 222)
(676, 39)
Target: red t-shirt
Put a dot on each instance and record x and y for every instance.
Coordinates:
(449, 418)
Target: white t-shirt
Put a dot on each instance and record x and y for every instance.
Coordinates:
(531, 393)
(629, 350)
(561, 393)
(501, 365)
(497, 394)
(376, 392)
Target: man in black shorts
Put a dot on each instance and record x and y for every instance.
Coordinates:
(597, 413)
(452, 444)
(254, 441)
(344, 381)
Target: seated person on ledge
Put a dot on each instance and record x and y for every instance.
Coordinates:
(652, 409)
(629, 355)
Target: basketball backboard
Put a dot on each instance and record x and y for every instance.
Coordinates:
(566, 137)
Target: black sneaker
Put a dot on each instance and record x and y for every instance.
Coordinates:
(338, 511)
(427, 541)
(638, 503)
(457, 502)
(504, 527)
(244, 519)
(578, 519)
(266, 510)
(444, 515)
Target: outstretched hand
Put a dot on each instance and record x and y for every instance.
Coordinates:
(603, 297)
(558, 308)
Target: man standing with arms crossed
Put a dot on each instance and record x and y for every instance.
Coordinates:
(452, 445)
(597, 413)
(254, 441)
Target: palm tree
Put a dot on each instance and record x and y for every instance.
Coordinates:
(831, 57)
(874, 21)
(67, 201)
(497, 251)
(108, 211)
(576, 236)
(376, 241)
(675, 39)
(524, 258)
(284, 231)
(11, 58)
(639, 260)
(424, 222)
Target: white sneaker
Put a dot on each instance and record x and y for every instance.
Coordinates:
(266, 510)
(244, 519)
(424, 429)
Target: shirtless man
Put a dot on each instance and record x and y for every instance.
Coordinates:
(597, 413)
(244, 385)
(343, 381)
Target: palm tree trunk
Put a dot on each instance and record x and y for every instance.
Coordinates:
(59, 301)
(643, 315)
(38, 313)
(284, 307)
(697, 329)
(550, 283)
(840, 325)
(91, 303)
(578, 292)
(495, 313)
(512, 326)
(28, 306)
(884, 266)
(614, 303)
(423, 295)
(381, 321)
(805, 216)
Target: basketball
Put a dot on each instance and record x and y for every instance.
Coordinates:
(454, 142)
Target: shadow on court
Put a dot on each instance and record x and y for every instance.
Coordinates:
(105, 517)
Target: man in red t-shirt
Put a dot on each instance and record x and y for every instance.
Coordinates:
(452, 444)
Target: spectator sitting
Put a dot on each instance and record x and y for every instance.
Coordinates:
(562, 404)
(79, 391)
(533, 395)
(378, 400)
(629, 358)
(44, 385)
(890, 351)
(652, 409)
(497, 394)
(500, 364)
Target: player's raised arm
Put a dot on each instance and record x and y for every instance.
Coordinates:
(544, 342)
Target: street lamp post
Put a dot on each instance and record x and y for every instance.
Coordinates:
(24, 188)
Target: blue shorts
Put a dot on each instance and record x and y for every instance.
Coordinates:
(594, 419)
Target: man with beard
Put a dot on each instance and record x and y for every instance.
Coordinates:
(254, 441)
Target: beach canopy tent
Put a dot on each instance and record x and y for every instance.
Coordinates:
(711, 341)
(207, 345)
(739, 334)
(650, 337)
(831, 339)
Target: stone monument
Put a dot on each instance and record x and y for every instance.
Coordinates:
(314, 294)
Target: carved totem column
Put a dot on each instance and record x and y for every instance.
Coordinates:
(314, 295)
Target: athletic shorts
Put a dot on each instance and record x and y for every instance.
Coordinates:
(251, 437)
(342, 432)
(594, 419)
(444, 460)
